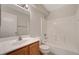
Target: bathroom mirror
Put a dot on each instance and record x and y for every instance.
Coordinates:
(15, 19)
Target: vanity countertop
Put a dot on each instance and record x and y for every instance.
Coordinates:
(10, 45)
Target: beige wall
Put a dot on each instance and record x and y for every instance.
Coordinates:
(35, 21)
(62, 28)
(64, 11)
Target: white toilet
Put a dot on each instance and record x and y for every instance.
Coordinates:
(44, 49)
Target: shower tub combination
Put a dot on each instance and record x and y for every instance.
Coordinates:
(52, 49)
(60, 51)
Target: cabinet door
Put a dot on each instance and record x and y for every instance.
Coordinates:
(27, 50)
(34, 49)
(21, 51)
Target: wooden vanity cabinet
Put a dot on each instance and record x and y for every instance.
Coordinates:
(32, 49)
(21, 51)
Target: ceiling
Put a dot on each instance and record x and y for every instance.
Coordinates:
(51, 7)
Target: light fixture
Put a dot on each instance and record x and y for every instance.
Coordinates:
(26, 6)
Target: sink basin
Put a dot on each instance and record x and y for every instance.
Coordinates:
(17, 42)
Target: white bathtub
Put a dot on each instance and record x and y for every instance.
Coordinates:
(54, 50)
(58, 51)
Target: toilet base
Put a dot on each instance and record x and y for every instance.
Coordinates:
(45, 52)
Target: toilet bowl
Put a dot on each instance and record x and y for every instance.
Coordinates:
(44, 49)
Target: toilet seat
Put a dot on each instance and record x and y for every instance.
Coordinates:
(44, 49)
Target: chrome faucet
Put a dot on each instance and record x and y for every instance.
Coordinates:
(20, 38)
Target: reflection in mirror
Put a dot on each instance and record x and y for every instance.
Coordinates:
(14, 20)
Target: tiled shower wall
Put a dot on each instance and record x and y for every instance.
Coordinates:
(63, 28)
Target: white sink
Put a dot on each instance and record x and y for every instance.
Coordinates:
(19, 42)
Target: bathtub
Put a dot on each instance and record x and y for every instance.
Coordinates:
(58, 51)
(54, 50)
